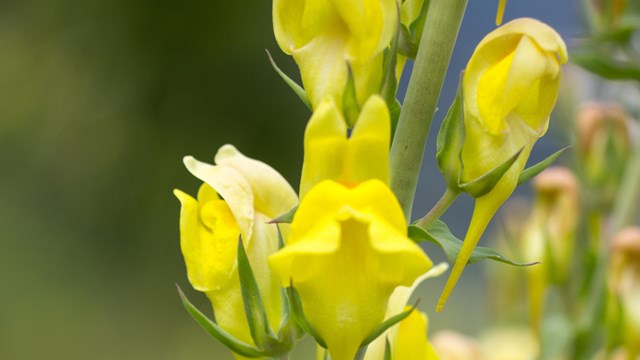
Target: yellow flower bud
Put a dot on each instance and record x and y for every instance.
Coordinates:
(347, 252)
(329, 154)
(510, 87)
(326, 36)
(238, 197)
(411, 342)
(624, 286)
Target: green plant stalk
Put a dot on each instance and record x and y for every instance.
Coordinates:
(430, 67)
(439, 208)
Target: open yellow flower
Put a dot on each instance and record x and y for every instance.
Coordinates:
(347, 252)
(238, 197)
(326, 36)
(510, 87)
(330, 154)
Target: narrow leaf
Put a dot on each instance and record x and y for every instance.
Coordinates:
(387, 324)
(286, 218)
(387, 349)
(297, 89)
(450, 140)
(438, 233)
(350, 105)
(389, 84)
(601, 63)
(394, 114)
(485, 183)
(253, 306)
(217, 332)
(298, 314)
(536, 169)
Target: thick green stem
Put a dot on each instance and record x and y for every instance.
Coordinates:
(436, 46)
(439, 208)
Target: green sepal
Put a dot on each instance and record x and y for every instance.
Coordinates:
(350, 106)
(285, 218)
(485, 183)
(380, 329)
(450, 140)
(217, 332)
(394, 114)
(298, 315)
(602, 64)
(389, 85)
(438, 233)
(410, 37)
(387, 349)
(536, 169)
(253, 306)
(297, 89)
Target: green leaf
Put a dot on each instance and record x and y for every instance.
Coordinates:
(298, 315)
(350, 106)
(438, 233)
(253, 306)
(485, 183)
(601, 63)
(297, 89)
(536, 169)
(285, 218)
(450, 140)
(217, 332)
(387, 324)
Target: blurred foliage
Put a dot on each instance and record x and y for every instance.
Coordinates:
(100, 102)
(101, 99)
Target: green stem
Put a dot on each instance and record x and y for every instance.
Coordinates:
(430, 67)
(439, 208)
(625, 208)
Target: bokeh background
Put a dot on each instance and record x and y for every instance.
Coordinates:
(99, 102)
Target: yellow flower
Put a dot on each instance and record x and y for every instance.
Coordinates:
(329, 154)
(323, 36)
(347, 252)
(238, 197)
(510, 87)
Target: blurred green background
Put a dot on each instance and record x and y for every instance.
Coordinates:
(99, 102)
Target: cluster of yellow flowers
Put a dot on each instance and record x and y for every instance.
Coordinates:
(346, 251)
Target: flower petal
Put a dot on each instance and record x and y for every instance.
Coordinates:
(368, 152)
(231, 186)
(208, 240)
(325, 143)
(272, 194)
